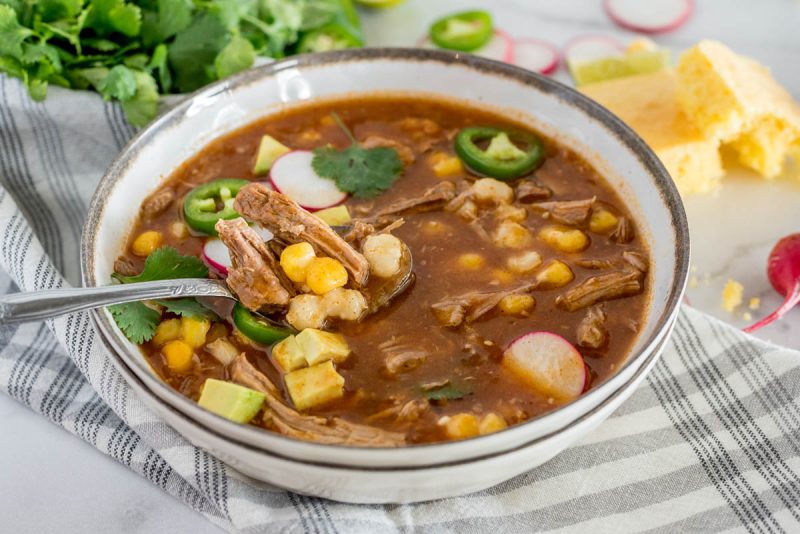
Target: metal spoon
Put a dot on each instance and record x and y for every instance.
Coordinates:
(40, 305)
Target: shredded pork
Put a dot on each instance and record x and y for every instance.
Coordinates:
(574, 212)
(255, 275)
(453, 311)
(592, 331)
(599, 288)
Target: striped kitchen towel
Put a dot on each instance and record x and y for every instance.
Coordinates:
(711, 440)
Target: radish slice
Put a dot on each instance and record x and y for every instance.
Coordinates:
(535, 55)
(590, 47)
(549, 363)
(215, 254)
(653, 16)
(293, 175)
(500, 47)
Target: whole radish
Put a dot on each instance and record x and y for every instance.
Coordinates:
(783, 271)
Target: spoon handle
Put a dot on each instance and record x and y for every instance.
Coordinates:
(39, 305)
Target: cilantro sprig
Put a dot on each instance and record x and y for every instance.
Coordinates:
(362, 172)
(137, 320)
(134, 50)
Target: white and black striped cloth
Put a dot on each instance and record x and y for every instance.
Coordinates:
(711, 441)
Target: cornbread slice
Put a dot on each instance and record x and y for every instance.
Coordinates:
(734, 99)
(648, 104)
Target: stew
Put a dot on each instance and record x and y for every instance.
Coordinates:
(456, 273)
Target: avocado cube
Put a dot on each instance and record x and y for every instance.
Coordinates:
(335, 216)
(288, 354)
(269, 150)
(232, 401)
(318, 346)
(315, 385)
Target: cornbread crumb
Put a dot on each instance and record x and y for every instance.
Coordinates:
(648, 104)
(747, 317)
(693, 282)
(755, 303)
(732, 295)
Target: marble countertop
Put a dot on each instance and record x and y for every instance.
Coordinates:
(53, 482)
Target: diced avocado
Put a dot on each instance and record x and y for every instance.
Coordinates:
(288, 355)
(501, 148)
(269, 150)
(232, 401)
(315, 385)
(318, 346)
(336, 216)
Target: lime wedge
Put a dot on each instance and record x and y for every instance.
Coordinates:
(379, 3)
(607, 68)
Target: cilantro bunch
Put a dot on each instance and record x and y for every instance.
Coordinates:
(133, 51)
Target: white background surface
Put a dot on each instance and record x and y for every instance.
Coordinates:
(51, 481)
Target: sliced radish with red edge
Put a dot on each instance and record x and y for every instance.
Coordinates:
(549, 363)
(652, 16)
(215, 254)
(500, 47)
(588, 47)
(293, 175)
(535, 55)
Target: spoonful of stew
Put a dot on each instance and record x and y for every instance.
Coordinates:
(334, 265)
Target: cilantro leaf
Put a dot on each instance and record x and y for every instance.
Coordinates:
(136, 320)
(188, 307)
(194, 49)
(171, 17)
(167, 263)
(119, 83)
(143, 106)
(158, 65)
(237, 55)
(363, 172)
(108, 16)
(11, 33)
(446, 392)
(51, 10)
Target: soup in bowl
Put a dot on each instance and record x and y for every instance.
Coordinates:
(408, 270)
(447, 270)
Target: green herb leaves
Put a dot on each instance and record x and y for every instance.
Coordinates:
(446, 392)
(362, 172)
(134, 50)
(137, 320)
(167, 263)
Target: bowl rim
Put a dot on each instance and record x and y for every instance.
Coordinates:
(260, 438)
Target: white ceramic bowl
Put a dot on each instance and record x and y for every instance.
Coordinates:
(417, 472)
